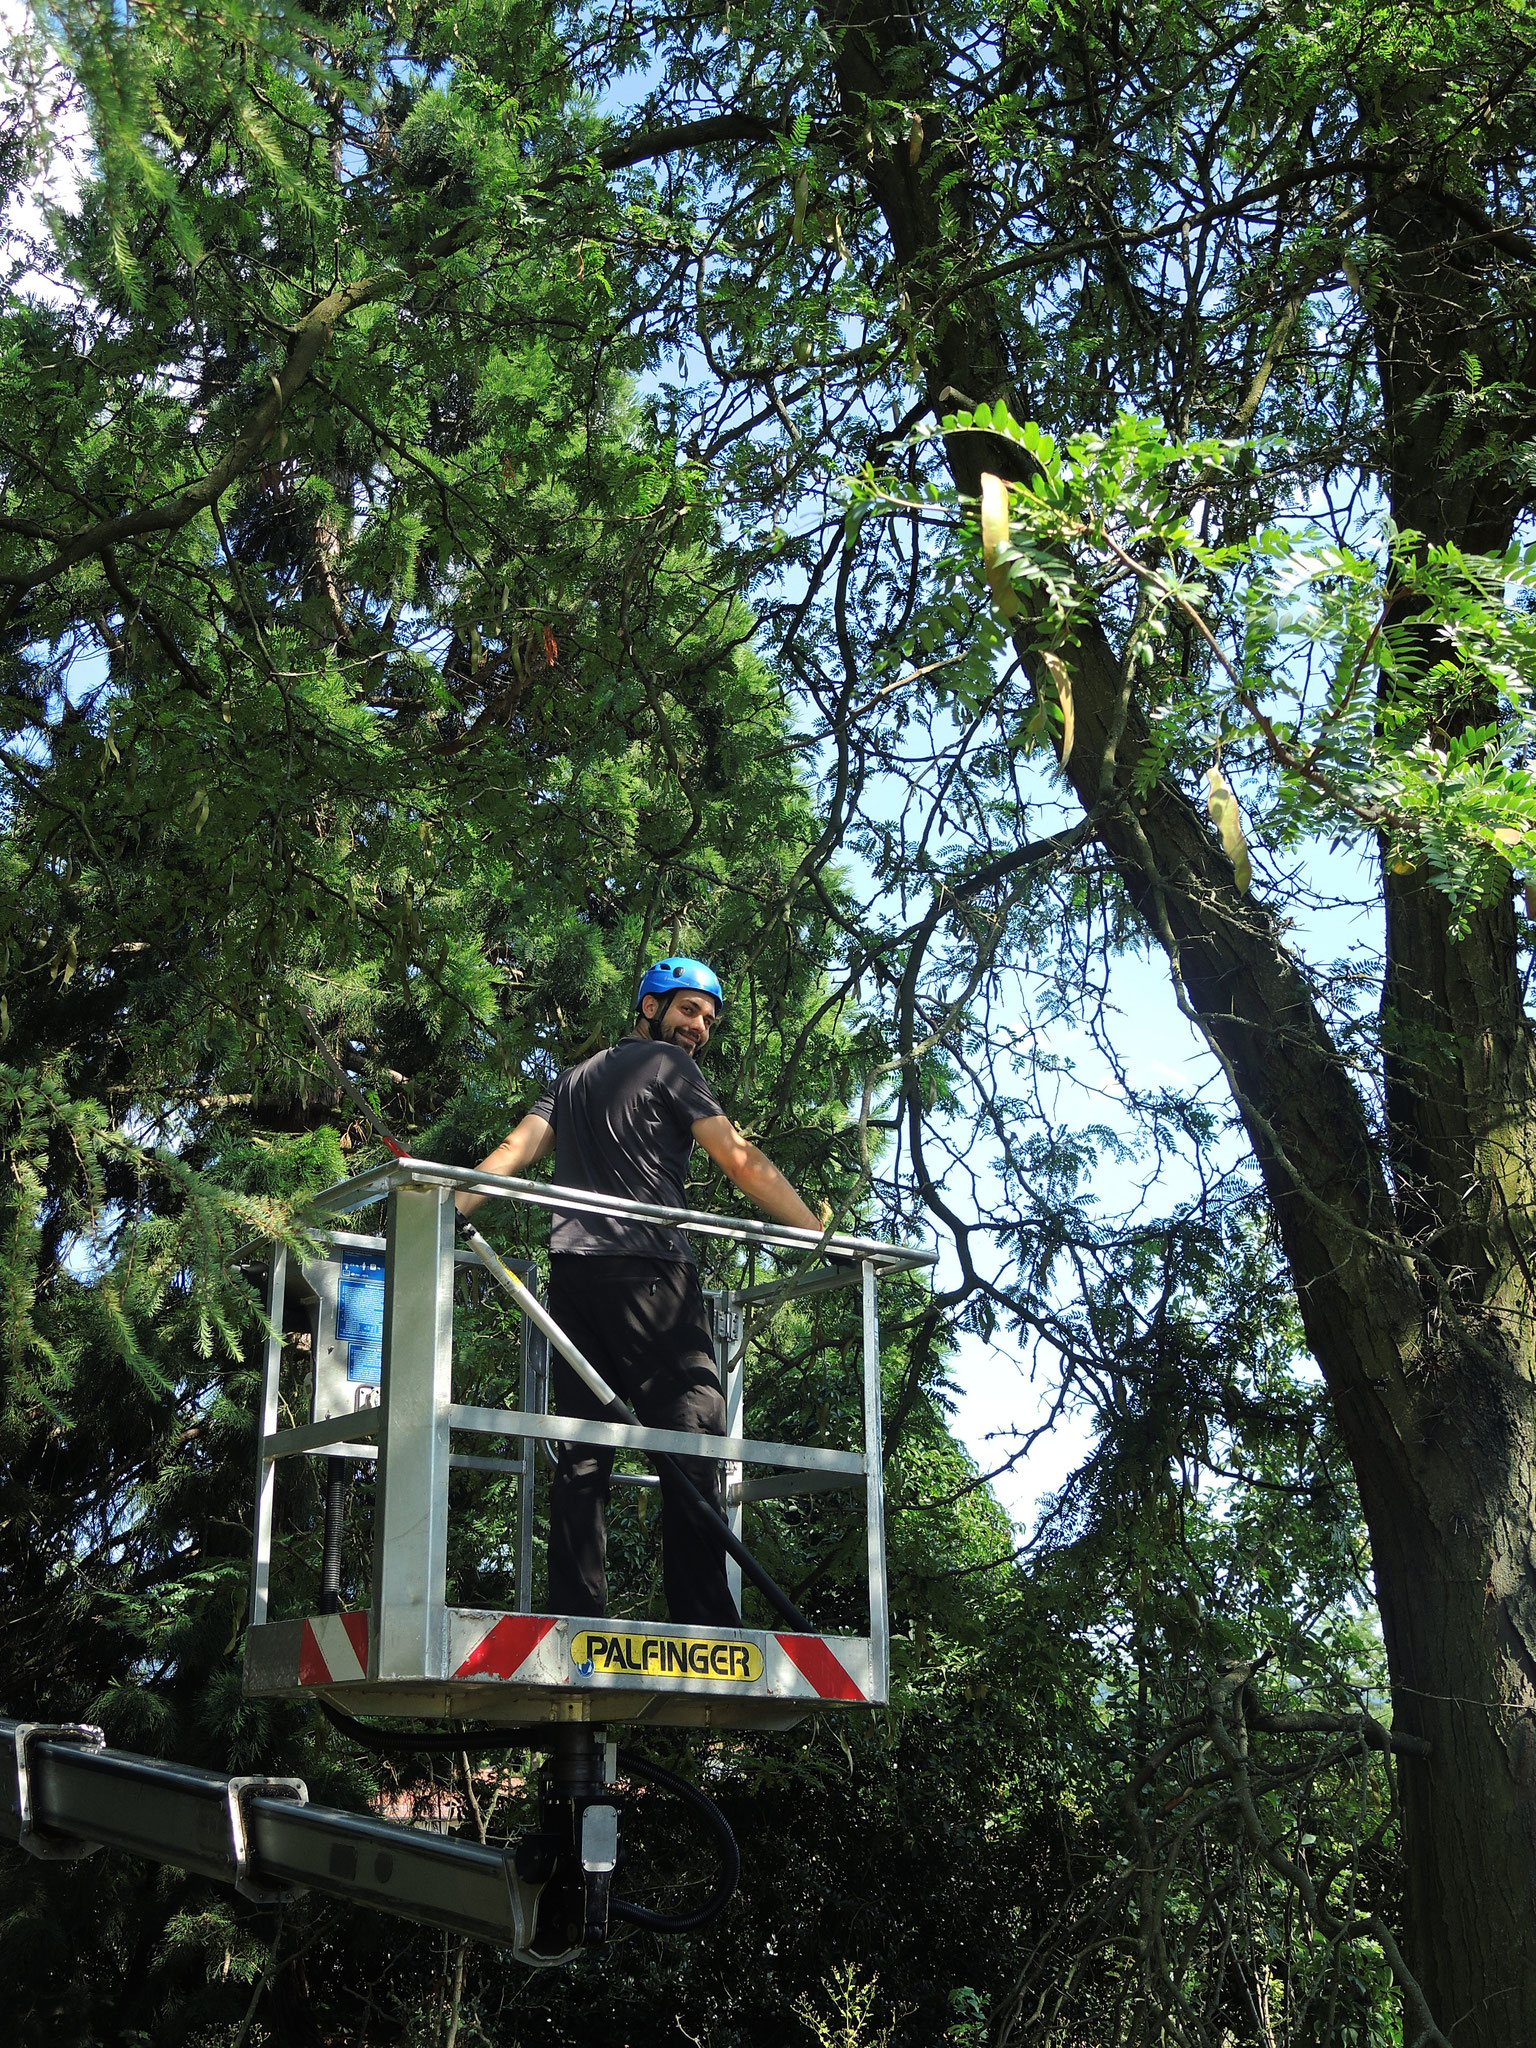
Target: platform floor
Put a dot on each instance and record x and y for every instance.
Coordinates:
(514, 1669)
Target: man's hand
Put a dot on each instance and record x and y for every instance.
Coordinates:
(753, 1172)
(533, 1139)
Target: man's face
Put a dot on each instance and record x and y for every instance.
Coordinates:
(685, 1019)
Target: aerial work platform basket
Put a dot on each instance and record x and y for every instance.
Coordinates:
(380, 1320)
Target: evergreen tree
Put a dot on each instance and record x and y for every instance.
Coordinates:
(434, 711)
(406, 448)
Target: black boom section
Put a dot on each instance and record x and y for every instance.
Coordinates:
(69, 1797)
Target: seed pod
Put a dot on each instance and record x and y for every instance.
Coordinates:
(994, 538)
(1228, 820)
(1061, 676)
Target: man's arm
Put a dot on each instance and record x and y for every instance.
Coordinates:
(753, 1172)
(533, 1139)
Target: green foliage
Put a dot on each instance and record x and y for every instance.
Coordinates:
(431, 588)
(439, 720)
(1382, 688)
(848, 2020)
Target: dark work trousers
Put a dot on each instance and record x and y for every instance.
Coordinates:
(645, 1326)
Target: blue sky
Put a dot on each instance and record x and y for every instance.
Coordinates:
(999, 1399)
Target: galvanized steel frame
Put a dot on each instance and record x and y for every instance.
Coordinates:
(409, 1432)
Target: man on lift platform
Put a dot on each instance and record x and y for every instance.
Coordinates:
(626, 1292)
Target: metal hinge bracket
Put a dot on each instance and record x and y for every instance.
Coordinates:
(730, 1329)
(52, 1848)
(241, 1790)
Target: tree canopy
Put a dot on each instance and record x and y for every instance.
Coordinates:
(931, 509)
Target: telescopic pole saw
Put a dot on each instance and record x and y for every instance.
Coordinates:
(615, 1409)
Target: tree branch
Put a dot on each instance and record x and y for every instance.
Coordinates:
(310, 336)
(654, 142)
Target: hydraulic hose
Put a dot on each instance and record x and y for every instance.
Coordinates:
(730, 1857)
(408, 1744)
(699, 1507)
(335, 1519)
(392, 1742)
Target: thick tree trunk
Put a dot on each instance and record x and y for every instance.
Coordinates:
(1456, 1563)
(1412, 1258)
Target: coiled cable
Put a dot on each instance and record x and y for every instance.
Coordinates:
(725, 1841)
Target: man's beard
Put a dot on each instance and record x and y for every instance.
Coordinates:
(666, 1033)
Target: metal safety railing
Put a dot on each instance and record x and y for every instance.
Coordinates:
(402, 1414)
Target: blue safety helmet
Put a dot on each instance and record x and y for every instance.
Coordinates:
(666, 977)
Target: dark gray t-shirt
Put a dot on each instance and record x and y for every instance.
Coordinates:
(623, 1123)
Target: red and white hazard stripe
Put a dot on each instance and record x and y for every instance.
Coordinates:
(333, 1649)
(813, 1658)
(506, 1646)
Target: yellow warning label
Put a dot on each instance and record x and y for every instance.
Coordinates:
(603, 1656)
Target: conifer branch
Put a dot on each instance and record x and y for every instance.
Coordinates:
(311, 334)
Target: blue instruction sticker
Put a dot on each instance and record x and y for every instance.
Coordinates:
(360, 1319)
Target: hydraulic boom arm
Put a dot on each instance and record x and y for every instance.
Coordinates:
(66, 1795)
(62, 1794)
